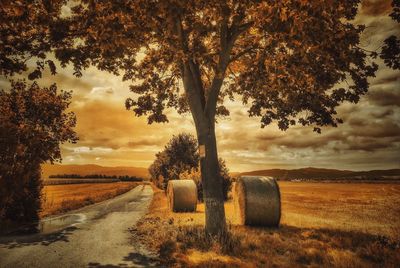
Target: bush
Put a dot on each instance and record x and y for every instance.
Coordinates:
(195, 175)
(178, 156)
(180, 160)
(24, 200)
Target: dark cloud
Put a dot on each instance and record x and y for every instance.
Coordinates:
(392, 77)
(147, 141)
(375, 7)
(382, 113)
(297, 139)
(377, 130)
(385, 97)
(368, 144)
(357, 122)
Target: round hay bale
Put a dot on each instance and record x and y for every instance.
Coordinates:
(182, 195)
(257, 201)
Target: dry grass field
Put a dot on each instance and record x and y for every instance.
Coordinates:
(323, 224)
(62, 198)
(367, 207)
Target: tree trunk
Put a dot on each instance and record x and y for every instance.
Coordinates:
(211, 181)
(204, 120)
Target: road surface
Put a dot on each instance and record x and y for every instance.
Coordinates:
(93, 236)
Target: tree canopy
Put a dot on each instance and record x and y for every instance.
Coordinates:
(282, 57)
(179, 155)
(181, 160)
(390, 52)
(28, 30)
(34, 121)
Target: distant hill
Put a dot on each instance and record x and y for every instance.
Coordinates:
(308, 173)
(322, 173)
(48, 169)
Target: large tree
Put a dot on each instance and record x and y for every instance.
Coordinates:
(284, 58)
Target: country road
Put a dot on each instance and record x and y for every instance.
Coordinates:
(93, 236)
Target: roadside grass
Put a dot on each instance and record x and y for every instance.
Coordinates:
(62, 198)
(180, 241)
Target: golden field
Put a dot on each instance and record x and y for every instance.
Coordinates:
(367, 207)
(62, 198)
(323, 224)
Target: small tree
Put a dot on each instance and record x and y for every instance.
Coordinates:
(33, 123)
(179, 155)
(180, 160)
(159, 170)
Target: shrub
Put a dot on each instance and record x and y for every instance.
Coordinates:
(178, 156)
(195, 175)
(25, 199)
(180, 160)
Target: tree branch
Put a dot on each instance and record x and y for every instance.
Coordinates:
(191, 78)
(238, 55)
(195, 70)
(224, 60)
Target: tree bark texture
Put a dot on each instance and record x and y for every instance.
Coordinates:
(211, 181)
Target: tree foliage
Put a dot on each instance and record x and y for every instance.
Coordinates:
(282, 57)
(179, 155)
(195, 175)
(391, 46)
(180, 160)
(28, 30)
(33, 123)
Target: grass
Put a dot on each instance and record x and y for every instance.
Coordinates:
(312, 233)
(364, 207)
(62, 198)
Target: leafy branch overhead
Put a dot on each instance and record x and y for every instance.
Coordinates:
(282, 57)
(391, 47)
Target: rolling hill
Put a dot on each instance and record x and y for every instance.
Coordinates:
(327, 174)
(308, 173)
(48, 169)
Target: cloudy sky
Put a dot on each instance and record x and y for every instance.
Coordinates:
(369, 138)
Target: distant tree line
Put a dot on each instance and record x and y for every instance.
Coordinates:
(95, 176)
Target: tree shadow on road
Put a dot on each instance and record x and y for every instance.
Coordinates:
(132, 260)
(16, 241)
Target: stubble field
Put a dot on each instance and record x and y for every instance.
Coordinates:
(65, 197)
(367, 207)
(323, 224)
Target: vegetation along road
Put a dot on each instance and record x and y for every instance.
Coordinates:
(94, 236)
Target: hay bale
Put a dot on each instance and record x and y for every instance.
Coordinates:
(182, 195)
(257, 201)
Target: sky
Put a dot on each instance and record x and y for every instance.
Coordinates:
(369, 138)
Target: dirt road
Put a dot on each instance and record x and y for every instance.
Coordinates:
(94, 236)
